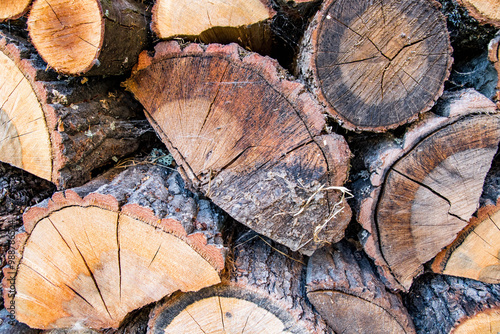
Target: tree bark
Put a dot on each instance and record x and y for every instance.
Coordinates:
(376, 65)
(249, 139)
(350, 296)
(61, 130)
(92, 254)
(423, 189)
(264, 294)
(485, 11)
(13, 9)
(445, 304)
(91, 37)
(494, 57)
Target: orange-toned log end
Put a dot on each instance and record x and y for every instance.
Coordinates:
(241, 21)
(485, 11)
(475, 253)
(250, 139)
(93, 37)
(13, 9)
(88, 264)
(487, 321)
(376, 64)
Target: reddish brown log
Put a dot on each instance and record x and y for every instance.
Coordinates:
(250, 139)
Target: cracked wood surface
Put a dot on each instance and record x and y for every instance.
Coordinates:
(241, 21)
(376, 64)
(344, 288)
(13, 9)
(249, 139)
(92, 37)
(61, 130)
(264, 294)
(475, 253)
(135, 238)
(425, 187)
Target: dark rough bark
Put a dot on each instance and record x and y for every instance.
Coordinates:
(439, 303)
(376, 65)
(347, 292)
(83, 124)
(269, 279)
(249, 138)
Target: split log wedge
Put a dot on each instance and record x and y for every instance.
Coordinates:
(265, 294)
(485, 11)
(13, 9)
(249, 139)
(92, 37)
(376, 64)
(425, 187)
(446, 304)
(91, 258)
(349, 295)
(476, 251)
(60, 130)
(239, 21)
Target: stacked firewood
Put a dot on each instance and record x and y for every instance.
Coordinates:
(312, 160)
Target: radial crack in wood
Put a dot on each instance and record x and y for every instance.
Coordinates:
(61, 130)
(264, 294)
(425, 187)
(350, 296)
(137, 237)
(249, 139)
(93, 37)
(376, 64)
(475, 253)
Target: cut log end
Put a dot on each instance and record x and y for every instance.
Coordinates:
(484, 322)
(222, 309)
(248, 138)
(90, 37)
(475, 253)
(485, 11)
(13, 9)
(377, 65)
(84, 261)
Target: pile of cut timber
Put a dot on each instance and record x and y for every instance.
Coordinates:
(268, 202)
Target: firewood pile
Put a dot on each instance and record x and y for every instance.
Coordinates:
(256, 166)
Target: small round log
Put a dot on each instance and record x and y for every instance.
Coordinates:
(250, 139)
(61, 130)
(445, 304)
(485, 11)
(93, 254)
(349, 295)
(13, 9)
(424, 188)
(264, 294)
(376, 64)
(92, 37)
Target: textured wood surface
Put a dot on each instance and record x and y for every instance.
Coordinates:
(376, 64)
(494, 57)
(137, 237)
(425, 187)
(475, 253)
(346, 291)
(61, 130)
(249, 139)
(90, 37)
(264, 294)
(485, 11)
(443, 304)
(13, 9)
